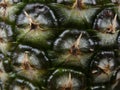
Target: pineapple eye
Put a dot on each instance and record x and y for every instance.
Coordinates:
(31, 56)
(29, 62)
(74, 40)
(73, 47)
(102, 66)
(34, 25)
(64, 79)
(38, 13)
(106, 21)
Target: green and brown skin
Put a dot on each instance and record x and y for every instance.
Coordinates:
(74, 50)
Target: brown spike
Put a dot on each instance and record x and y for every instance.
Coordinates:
(112, 27)
(114, 23)
(78, 4)
(4, 1)
(106, 69)
(68, 85)
(77, 43)
(75, 47)
(33, 24)
(70, 81)
(28, 16)
(75, 4)
(26, 56)
(26, 64)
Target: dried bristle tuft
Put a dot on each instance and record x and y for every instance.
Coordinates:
(78, 4)
(26, 62)
(75, 47)
(33, 24)
(112, 27)
(69, 84)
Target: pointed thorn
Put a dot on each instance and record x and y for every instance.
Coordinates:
(28, 16)
(69, 78)
(114, 23)
(4, 1)
(77, 43)
(26, 56)
(75, 4)
(78, 4)
(70, 81)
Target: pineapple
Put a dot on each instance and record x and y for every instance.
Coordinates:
(59, 45)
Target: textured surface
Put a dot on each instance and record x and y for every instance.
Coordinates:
(59, 45)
